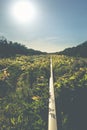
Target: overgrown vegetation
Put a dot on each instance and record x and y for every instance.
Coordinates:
(70, 82)
(24, 92)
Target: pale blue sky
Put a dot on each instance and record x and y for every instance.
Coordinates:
(58, 24)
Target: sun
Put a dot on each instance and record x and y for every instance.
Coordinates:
(23, 11)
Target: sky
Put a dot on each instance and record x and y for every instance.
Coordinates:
(56, 25)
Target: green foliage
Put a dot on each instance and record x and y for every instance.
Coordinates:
(79, 51)
(70, 82)
(24, 92)
(10, 49)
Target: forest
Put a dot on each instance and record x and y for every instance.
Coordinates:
(11, 49)
(77, 51)
(24, 92)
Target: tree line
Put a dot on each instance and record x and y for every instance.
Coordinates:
(10, 49)
(78, 51)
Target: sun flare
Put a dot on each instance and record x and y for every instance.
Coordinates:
(23, 11)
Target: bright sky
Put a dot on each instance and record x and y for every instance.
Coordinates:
(56, 24)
